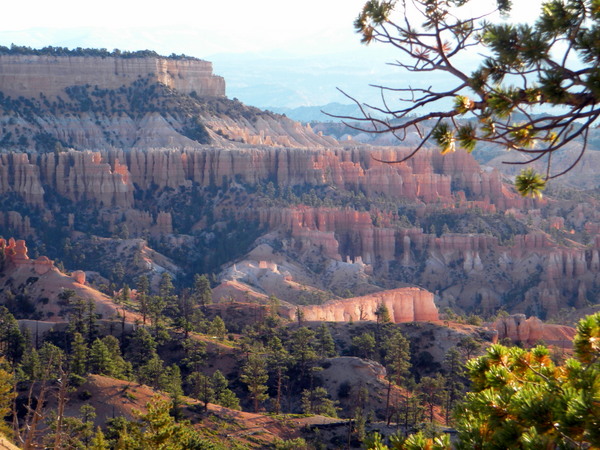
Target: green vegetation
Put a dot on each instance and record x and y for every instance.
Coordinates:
(89, 52)
(522, 399)
(522, 96)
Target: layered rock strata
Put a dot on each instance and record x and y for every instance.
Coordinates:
(32, 75)
(110, 176)
(532, 330)
(404, 305)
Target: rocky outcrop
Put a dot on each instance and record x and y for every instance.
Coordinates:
(77, 176)
(530, 331)
(32, 75)
(44, 283)
(15, 253)
(404, 305)
(109, 176)
(464, 269)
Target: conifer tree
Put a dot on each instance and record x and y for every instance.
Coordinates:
(325, 343)
(79, 355)
(119, 367)
(141, 347)
(397, 363)
(101, 361)
(99, 442)
(301, 347)
(202, 388)
(317, 401)
(143, 290)
(454, 374)
(12, 342)
(521, 399)
(534, 89)
(7, 395)
(278, 361)
(223, 395)
(254, 376)
(364, 345)
(217, 328)
(202, 291)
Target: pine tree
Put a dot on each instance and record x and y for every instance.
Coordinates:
(301, 348)
(397, 363)
(141, 347)
(79, 355)
(202, 291)
(143, 290)
(325, 343)
(31, 365)
(364, 345)
(195, 354)
(202, 388)
(101, 361)
(218, 382)
(383, 314)
(521, 399)
(99, 442)
(119, 367)
(432, 392)
(12, 342)
(7, 395)
(532, 83)
(151, 372)
(254, 376)
(317, 401)
(278, 361)
(217, 328)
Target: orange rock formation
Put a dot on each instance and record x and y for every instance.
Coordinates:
(529, 331)
(15, 252)
(403, 304)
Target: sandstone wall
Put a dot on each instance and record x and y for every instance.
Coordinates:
(529, 331)
(30, 75)
(109, 176)
(404, 305)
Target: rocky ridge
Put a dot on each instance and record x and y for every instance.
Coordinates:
(403, 304)
(32, 75)
(531, 267)
(45, 283)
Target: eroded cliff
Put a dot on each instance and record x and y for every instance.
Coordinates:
(403, 305)
(32, 75)
(489, 261)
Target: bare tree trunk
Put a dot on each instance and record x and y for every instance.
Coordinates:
(387, 403)
(278, 397)
(34, 416)
(62, 400)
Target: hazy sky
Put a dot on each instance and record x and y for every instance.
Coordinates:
(271, 52)
(241, 25)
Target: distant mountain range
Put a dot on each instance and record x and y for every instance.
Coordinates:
(325, 113)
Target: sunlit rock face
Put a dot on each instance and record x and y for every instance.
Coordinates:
(532, 330)
(404, 305)
(32, 75)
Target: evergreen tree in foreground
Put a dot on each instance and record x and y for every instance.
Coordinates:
(521, 400)
(535, 89)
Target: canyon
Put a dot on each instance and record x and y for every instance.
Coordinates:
(348, 222)
(159, 240)
(453, 265)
